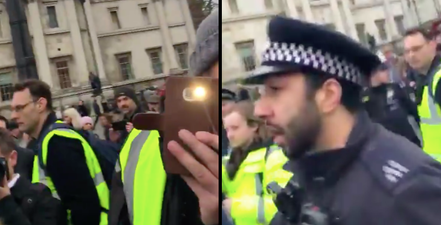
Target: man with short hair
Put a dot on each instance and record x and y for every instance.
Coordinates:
(420, 53)
(21, 202)
(312, 78)
(66, 163)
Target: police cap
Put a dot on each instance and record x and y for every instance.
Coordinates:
(295, 45)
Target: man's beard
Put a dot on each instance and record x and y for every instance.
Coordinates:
(302, 131)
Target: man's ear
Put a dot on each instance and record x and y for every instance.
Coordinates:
(13, 157)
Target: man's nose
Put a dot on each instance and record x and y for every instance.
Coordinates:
(261, 109)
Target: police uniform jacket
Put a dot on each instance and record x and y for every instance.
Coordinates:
(390, 105)
(379, 178)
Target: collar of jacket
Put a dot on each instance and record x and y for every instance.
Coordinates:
(331, 164)
(51, 119)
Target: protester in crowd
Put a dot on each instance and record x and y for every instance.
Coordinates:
(228, 102)
(153, 103)
(82, 109)
(204, 180)
(128, 104)
(71, 170)
(73, 118)
(253, 155)
(95, 83)
(87, 123)
(23, 203)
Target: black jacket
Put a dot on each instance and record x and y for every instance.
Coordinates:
(25, 162)
(67, 168)
(95, 83)
(391, 106)
(27, 206)
(379, 178)
(82, 110)
(179, 207)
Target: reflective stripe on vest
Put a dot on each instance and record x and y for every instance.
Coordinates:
(434, 118)
(39, 175)
(139, 168)
(261, 202)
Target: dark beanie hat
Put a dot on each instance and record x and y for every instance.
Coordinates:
(206, 51)
(125, 91)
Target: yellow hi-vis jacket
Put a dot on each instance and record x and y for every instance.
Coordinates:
(251, 202)
(39, 175)
(143, 177)
(430, 115)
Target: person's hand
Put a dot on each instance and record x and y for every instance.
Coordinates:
(129, 127)
(412, 84)
(226, 204)
(4, 189)
(204, 179)
(114, 135)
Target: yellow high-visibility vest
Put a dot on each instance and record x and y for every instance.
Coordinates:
(251, 202)
(39, 175)
(143, 176)
(430, 114)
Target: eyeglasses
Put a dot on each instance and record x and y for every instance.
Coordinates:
(20, 108)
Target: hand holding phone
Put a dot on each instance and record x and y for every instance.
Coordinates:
(192, 104)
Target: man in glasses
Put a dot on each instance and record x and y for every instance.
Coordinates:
(420, 54)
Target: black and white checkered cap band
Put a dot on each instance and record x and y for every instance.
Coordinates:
(315, 58)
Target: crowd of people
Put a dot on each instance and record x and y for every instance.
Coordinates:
(57, 170)
(336, 130)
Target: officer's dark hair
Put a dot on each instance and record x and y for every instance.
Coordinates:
(38, 89)
(418, 30)
(351, 93)
(7, 144)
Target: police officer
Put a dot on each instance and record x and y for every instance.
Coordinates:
(350, 169)
(390, 105)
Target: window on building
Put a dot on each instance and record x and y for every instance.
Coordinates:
(246, 53)
(115, 19)
(361, 32)
(399, 21)
(63, 74)
(381, 27)
(182, 55)
(125, 66)
(330, 26)
(269, 4)
(233, 6)
(52, 15)
(156, 60)
(145, 15)
(6, 86)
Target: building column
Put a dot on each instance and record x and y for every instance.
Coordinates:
(390, 22)
(408, 16)
(189, 24)
(350, 19)
(77, 42)
(338, 20)
(95, 43)
(167, 46)
(292, 9)
(43, 65)
(308, 11)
